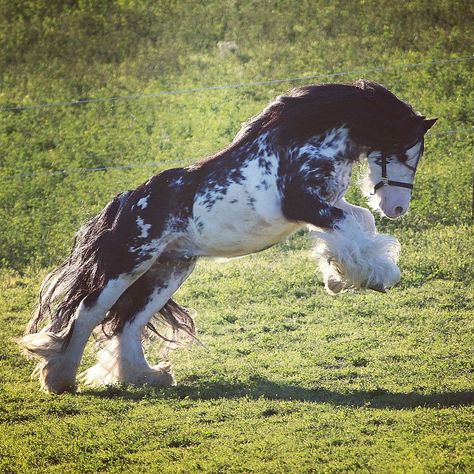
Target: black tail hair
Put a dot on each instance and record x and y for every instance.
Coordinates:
(172, 316)
(176, 317)
(83, 274)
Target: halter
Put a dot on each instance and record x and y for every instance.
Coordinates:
(385, 181)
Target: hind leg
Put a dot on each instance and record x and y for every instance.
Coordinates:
(121, 358)
(62, 353)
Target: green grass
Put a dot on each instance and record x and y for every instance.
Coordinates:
(291, 379)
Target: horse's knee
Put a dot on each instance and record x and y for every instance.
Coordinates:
(368, 220)
(363, 215)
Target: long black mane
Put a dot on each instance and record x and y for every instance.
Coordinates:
(375, 117)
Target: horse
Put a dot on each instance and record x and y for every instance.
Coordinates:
(287, 168)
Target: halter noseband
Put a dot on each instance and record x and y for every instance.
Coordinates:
(385, 181)
(388, 182)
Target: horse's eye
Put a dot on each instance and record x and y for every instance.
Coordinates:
(402, 157)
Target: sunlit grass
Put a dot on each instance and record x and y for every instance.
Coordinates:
(288, 379)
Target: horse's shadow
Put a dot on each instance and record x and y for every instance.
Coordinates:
(259, 387)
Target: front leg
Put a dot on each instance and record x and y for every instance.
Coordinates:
(363, 215)
(350, 252)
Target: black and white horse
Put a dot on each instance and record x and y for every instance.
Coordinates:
(287, 168)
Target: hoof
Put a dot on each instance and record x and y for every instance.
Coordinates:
(161, 376)
(335, 285)
(53, 377)
(334, 279)
(56, 371)
(157, 376)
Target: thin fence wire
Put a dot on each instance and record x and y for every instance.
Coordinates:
(204, 89)
(98, 168)
(390, 67)
(166, 164)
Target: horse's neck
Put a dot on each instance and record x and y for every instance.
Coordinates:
(334, 145)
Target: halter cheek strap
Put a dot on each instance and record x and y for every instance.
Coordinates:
(388, 182)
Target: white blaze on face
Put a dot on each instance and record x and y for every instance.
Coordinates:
(392, 201)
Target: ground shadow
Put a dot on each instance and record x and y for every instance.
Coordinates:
(259, 387)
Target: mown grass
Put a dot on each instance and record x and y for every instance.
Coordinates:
(290, 380)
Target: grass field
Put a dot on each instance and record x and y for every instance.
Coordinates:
(291, 380)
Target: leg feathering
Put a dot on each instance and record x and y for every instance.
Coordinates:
(353, 257)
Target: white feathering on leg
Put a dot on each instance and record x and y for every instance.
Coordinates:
(56, 370)
(352, 257)
(121, 360)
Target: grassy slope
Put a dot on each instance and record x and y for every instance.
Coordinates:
(293, 380)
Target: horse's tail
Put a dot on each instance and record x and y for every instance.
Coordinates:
(177, 323)
(81, 275)
(173, 325)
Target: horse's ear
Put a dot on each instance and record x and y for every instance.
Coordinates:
(428, 123)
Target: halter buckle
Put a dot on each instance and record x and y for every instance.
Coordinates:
(384, 180)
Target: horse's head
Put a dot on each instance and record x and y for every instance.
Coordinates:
(391, 173)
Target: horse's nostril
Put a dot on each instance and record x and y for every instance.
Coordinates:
(399, 210)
